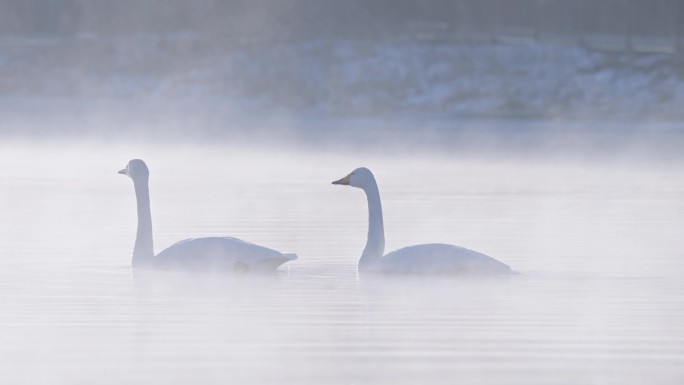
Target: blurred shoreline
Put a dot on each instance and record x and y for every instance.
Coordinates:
(339, 78)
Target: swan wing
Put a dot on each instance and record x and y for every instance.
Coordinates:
(439, 258)
(220, 253)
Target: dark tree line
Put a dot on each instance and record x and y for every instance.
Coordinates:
(288, 19)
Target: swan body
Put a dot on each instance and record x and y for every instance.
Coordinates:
(438, 258)
(433, 258)
(210, 253)
(220, 253)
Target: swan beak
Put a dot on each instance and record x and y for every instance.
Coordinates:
(123, 172)
(343, 181)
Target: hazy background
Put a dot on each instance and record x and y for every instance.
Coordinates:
(321, 71)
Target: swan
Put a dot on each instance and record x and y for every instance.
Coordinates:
(210, 253)
(426, 258)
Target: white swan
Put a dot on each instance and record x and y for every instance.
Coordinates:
(211, 253)
(428, 258)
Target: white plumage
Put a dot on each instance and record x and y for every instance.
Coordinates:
(436, 258)
(210, 253)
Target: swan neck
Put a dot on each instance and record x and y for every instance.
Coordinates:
(375, 244)
(143, 251)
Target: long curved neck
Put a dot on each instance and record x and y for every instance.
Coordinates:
(375, 245)
(143, 252)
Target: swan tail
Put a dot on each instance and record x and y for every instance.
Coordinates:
(270, 264)
(290, 256)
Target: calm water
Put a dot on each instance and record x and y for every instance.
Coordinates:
(599, 246)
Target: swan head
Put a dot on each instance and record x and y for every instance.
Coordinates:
(136, 169)
(361, 178)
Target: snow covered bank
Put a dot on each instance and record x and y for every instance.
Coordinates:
(353, 78)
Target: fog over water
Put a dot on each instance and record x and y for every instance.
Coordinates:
(597, 245)
(554, 146)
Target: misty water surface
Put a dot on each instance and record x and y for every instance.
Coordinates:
(598, 245)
